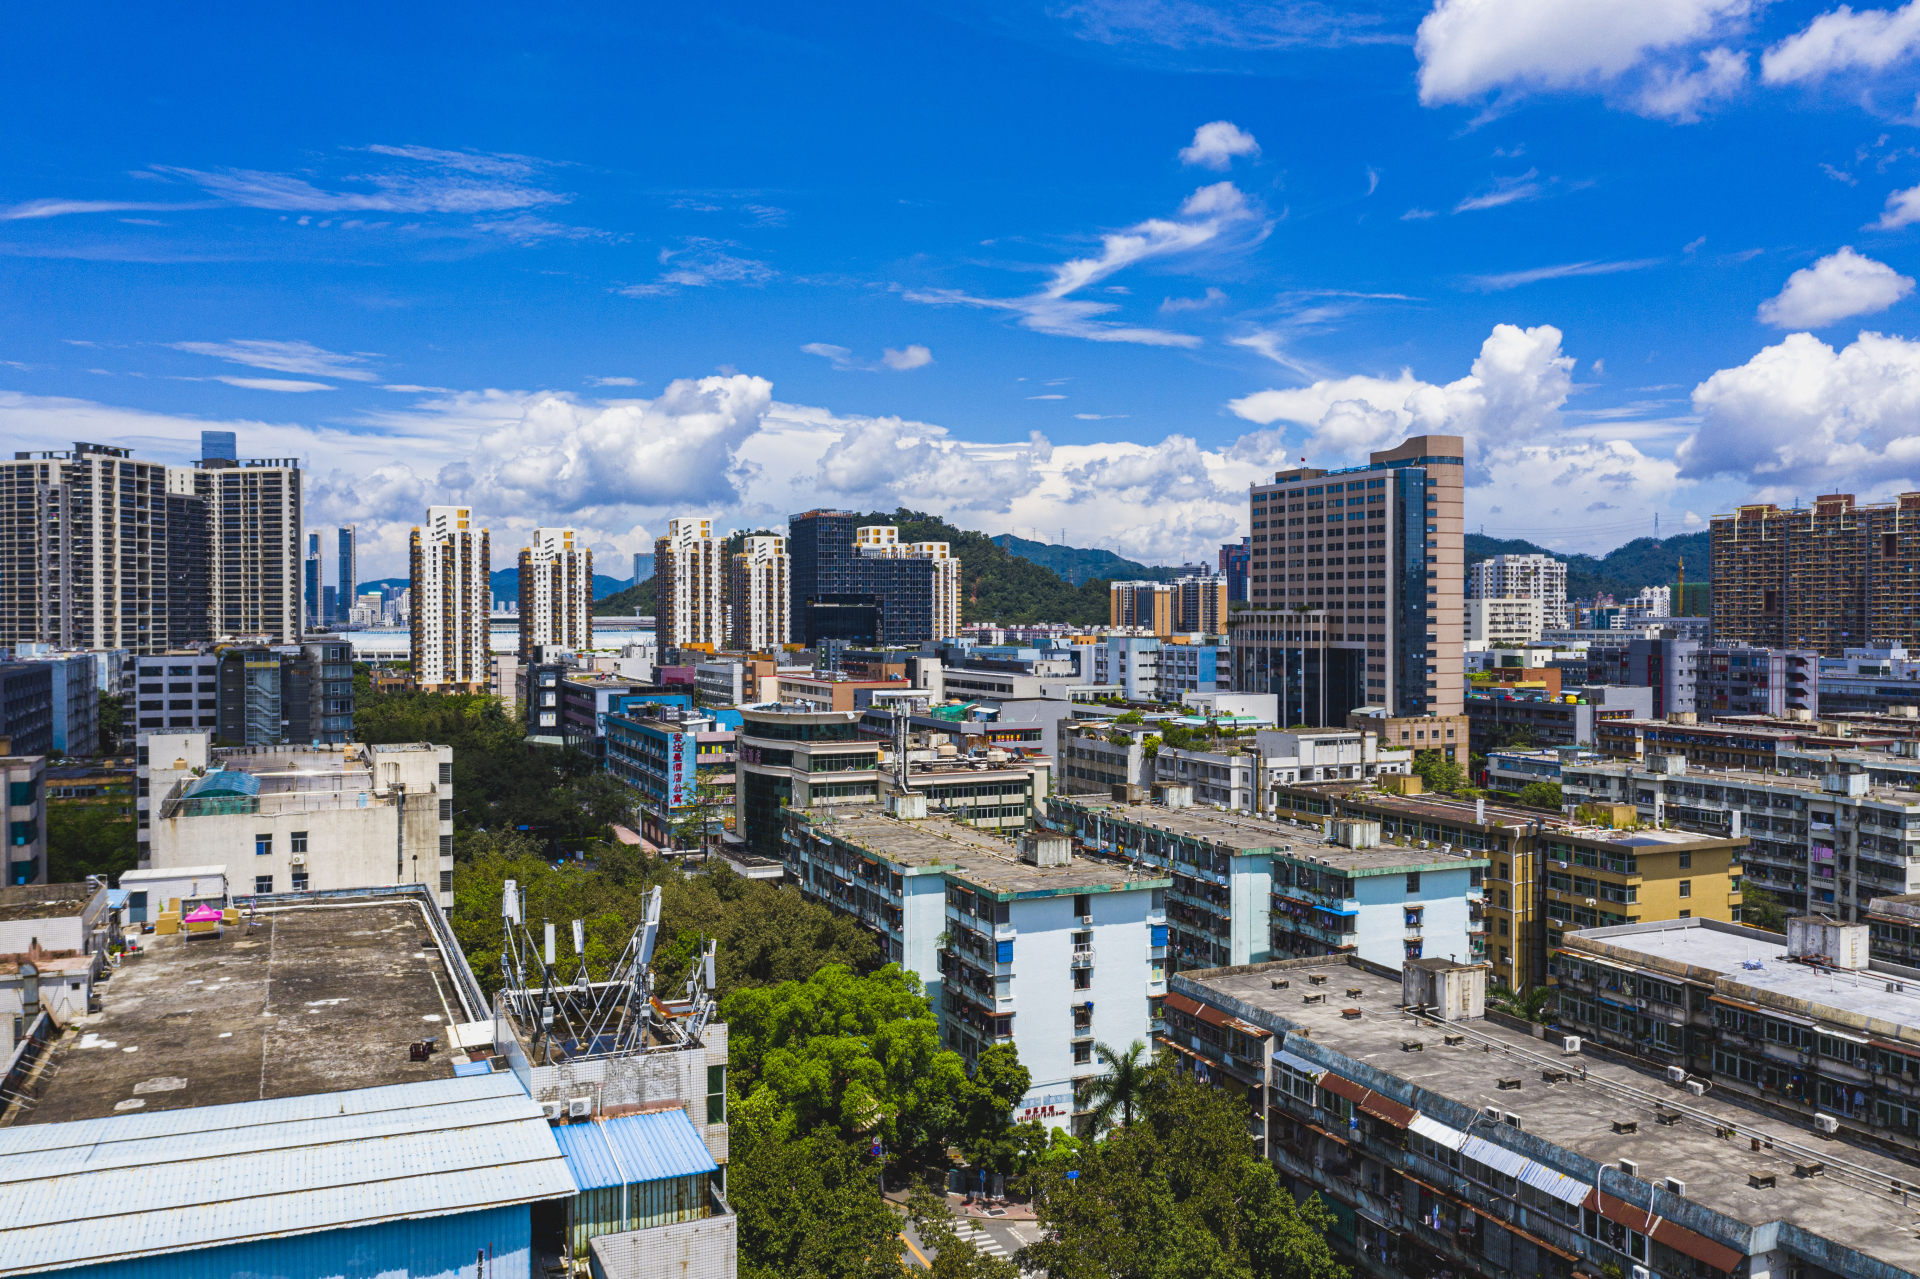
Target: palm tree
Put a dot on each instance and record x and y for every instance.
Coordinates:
(1533, 1006)
(1119, 1091)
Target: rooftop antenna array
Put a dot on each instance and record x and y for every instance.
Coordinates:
(597, 1016)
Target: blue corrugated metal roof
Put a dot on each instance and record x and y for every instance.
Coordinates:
(633, 1148)
(104, 1190)
(221, 782)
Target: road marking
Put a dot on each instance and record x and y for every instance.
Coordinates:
(915, 1251)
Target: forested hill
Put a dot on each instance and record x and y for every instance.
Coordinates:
(1082, 564)
(998, 586)
(1621, 572)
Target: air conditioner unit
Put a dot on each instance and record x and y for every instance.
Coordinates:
(1641, 1272)
(580, 1108)
(553, 1109)
(1827, 1124)
(1676, 1074)
(1570, 1044)
(1629, 1167)
(1697, 1087)
(1675, 1186)
(1491, 1112)
(298, 859)
(1512, 1120)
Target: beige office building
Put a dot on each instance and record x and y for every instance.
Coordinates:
(1356, 584)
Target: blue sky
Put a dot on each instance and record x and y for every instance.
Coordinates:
(1086, 267)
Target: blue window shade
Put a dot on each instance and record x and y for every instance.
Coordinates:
(1004, 952)
(1159, 934)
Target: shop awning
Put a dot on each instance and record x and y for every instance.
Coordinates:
(1688, 1243)
(1435, 1131)
(1368, 1101)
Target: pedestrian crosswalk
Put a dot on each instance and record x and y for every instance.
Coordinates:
(983, 1241)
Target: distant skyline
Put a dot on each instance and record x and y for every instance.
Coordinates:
(1091, 265)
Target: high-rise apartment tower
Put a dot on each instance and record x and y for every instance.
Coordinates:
(759, 583)
(101, 550)
(689, 596)
(310, 609)
(452, 595)
(1357, 586)
(1523, 577)
(349, 581)
(253, 509)
(1829, 577)
(556, 591)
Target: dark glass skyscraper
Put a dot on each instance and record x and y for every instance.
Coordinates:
(840, 593)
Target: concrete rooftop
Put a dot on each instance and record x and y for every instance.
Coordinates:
(1259, 835)
(307, 1000)
(1729, 950)
(1850, 1203)
(44, 901)
(970, 854)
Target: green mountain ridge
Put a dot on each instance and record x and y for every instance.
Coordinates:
(1079, 565)
(1621, 572)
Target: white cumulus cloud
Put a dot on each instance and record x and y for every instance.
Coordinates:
(1215, 145)
(1838, 286)
(1843, 40)
(1804, 410)
(1647, 50)
(1903, 209)
(1514, 390)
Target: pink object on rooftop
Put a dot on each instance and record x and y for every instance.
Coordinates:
(201, 914)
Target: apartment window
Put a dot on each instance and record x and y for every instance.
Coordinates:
(1082, 905)
(1082, 1054)
(446, 881)
(1413, 881)
(263, 883)
(299, 881)
(1083, 979)
(263, 845)
(446, 810)
(298, 841)
(1686, 861)
(446, 773)
(1686, 888)
(446, 845)
(1686, 914)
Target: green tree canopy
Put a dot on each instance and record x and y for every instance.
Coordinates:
(1176, 1194)
(809, 1206)
(1542, 795)
(1437, 771)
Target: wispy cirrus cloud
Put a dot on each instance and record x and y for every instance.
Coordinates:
(906, 358)
(1505, 190)
(1504, 280)
(1213, 217)
(284, 357)
(54, 208)
(699, 262)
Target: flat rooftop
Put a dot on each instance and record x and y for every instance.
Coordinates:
(1745, 956)
(44, 901)
(1463, 811)
(1850, 1204)
(1753, 777)
(936, 843)
(1281, 838)
(311, 999)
